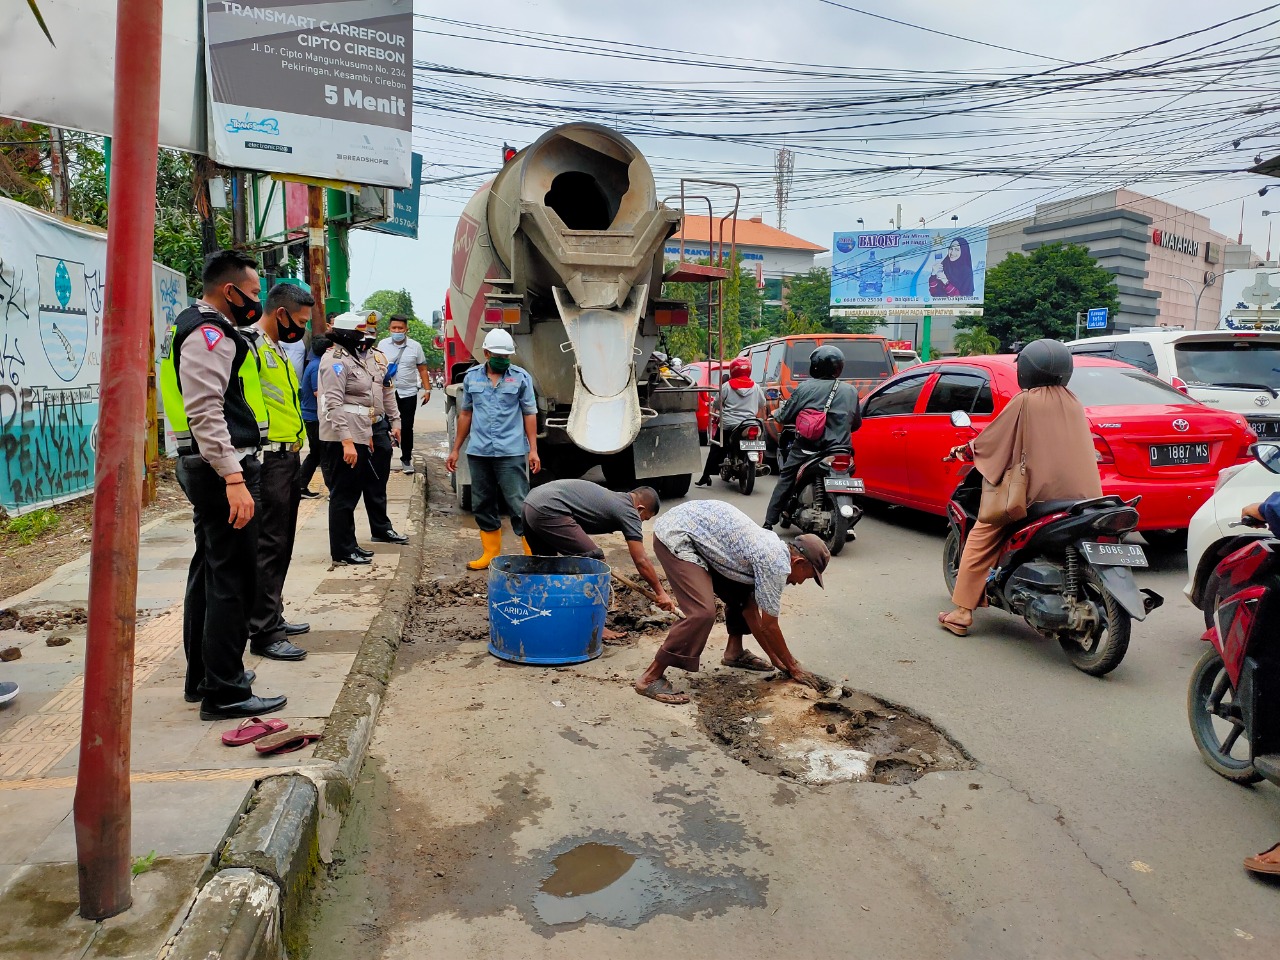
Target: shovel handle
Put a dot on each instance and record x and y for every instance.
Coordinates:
(642, 590)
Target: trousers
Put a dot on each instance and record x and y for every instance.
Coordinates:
(495, 480)
(221, 584)
(787, 471)
(277, 528)
(314, 458)
(981, 551)
(696, 589)
(349, 484)
(552, 534)
(408, 413)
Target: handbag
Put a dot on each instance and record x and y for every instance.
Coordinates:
(812, 424)
(1006, 502)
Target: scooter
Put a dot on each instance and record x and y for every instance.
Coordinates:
(1063, 569)
(822, 500)
(1232, 701)
(744, 455)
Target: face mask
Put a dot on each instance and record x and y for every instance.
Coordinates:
(499, 364)
(365, 345)
(350, 339)
(288, 331)
(398, 337)
(244, 314)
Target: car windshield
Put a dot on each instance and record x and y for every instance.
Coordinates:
(863, 359)
(1114, 387)
(1247, 364)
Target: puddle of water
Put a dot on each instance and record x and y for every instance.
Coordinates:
(588, 868)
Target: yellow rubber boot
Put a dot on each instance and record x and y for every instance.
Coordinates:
(525, 544)
(491, 541)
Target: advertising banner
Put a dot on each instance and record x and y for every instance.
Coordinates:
(52, 286)
(899, 270)
(1251, 300)
(316, 88)
(404, 214)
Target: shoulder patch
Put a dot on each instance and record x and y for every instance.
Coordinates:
(212, 336)
(337, 368)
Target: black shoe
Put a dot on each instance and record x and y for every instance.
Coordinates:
(249, 677)
(310, 494)
(702, 482)
(253, 707)
(363, 552)
(280, 650)
(768, 526)
(296, 629)
(352, 560)
(391, 537)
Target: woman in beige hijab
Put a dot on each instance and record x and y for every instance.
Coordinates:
(1056, 444)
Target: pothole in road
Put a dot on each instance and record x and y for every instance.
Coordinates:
(787, 730)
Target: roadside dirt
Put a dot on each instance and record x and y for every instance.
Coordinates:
(23, 565)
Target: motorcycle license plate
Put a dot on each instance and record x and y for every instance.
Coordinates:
(1178, 454)
(1114, 554)
(751, 444)
(844, 485)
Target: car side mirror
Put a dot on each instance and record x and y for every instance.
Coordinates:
(1268, 454)
(960, 419)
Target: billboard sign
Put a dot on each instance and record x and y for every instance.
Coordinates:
(1251, 299)
(315, 88)
(905, 269)
(403, 221)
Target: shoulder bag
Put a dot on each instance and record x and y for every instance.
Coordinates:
(812, 424)
(1006, 502)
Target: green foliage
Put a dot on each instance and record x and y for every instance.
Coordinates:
(808, 296)
(30, 527)
(1038, 295)
(388, 302)
(22, 174)
(141, 865)
(742, 307)
(976, 341)
(35, 12)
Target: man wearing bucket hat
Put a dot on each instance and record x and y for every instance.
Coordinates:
(498, 413)
(711, 549)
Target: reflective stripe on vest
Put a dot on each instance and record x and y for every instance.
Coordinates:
(175, 412)
(280, 392)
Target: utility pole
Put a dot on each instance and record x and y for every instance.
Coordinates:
(58, 179)
(317, 266)
(102, 810)
(1078, 316)
(339, 224)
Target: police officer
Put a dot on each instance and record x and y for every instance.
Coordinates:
(284, 322)
(213, 397)
(348, 410)
(498, 410)
(387, 420)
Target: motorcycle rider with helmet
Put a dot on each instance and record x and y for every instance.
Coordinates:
(822, 391)
(740, 399)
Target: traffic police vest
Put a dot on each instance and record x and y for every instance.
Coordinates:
(243, 404)
(280, 391)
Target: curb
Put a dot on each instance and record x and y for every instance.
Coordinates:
(249, 908)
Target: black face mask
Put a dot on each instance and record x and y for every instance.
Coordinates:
(288, 331)
(247, 313)
(348, 339)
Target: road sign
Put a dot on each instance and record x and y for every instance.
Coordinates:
(1097, 319)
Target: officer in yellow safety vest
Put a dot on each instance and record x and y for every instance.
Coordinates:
(213, 398)
(285, 321)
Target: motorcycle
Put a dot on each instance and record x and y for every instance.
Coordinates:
(1232, 698)
(822, 500)
(744, 455)
(1063, 569)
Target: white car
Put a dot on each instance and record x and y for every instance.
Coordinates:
(1234, 370)
(902, 359)
(1210, 536)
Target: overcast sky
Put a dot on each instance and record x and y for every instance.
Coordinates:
(809, 31)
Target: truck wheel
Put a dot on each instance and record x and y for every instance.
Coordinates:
(464, 496)
(673, 488)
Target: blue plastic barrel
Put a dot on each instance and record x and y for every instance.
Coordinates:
(547, 611)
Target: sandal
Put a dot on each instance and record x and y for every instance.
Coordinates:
(1258, 865)
(959, 629)
(251, 730)
(662, 691)
(749, 661)
(287, 741)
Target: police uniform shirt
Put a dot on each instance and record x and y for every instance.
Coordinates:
(347, 405)
(498, 412)
(208, 357)
(384, 394)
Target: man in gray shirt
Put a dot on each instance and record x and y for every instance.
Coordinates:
(560, 515)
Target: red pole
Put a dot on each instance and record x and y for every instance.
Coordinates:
(102, 810)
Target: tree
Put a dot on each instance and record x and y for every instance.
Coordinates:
(400, 302)
(808, 296)
(742, 303)
(1039, 295)
(976, 342)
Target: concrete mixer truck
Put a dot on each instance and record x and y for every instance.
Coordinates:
(564, 250)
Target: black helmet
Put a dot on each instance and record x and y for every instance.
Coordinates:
(826, 363)
(1044, 363)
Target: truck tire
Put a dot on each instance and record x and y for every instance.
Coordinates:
(461, 491)
(672, 488)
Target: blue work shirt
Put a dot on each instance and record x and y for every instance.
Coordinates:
(497, 413)
(307, 392)
(1270, 510)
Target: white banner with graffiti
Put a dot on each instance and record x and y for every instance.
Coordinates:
(52, 286)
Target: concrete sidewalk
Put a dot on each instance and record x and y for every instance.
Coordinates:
(187, 787)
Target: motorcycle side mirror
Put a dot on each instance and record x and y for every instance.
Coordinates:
(960, 419)
(773, 393)
(1268, 454)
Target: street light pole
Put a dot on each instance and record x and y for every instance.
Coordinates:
(1195, 315)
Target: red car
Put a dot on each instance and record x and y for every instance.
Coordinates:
(1149, 438)
(705, 373)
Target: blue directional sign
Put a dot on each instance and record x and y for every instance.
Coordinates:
(1097, 319)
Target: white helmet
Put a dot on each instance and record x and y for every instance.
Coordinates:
(349, 321)
(499, 342)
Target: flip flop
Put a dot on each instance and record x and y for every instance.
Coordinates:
(287, 741)
(749, 661)
(252, 729)
(662, 691)
(959, 629)
(1258, 865)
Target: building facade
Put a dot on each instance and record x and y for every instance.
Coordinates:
(769, 254)
(1165, 259)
